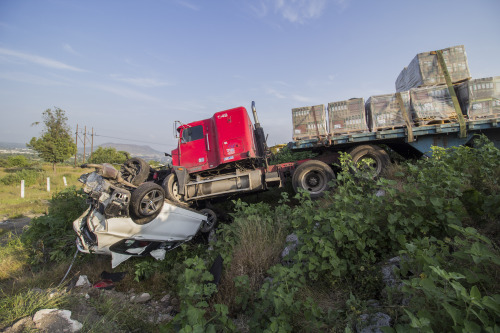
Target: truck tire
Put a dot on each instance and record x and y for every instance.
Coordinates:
(135, 171)
(171, 187)
(313, 176)
(146, 202)
(376, 157)
(211, 222)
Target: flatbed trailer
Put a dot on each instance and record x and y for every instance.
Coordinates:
(315, 174)
(409, 142)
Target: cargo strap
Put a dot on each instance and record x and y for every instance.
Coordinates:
(316, 122)
(458, 110)
(404, 111)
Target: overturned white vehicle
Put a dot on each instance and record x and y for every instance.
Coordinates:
(126, 219)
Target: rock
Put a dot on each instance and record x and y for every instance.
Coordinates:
(388, 277)
(292, 242)
(22, 325)
(143, 298)
(55, 321)
(371, 323)
(165, 299)
(83, 281)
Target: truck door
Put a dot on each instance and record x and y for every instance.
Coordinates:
(193, 151)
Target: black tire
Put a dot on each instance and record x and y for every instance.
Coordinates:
(146, 202)
(171, 187)
(211, 222)
(376, 157)
(313, 176)
(135, 171)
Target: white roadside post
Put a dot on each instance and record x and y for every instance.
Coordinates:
(65, 182)
(48, 184)
(22, 188)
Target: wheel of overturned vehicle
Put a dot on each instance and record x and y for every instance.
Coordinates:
(370, 160)
(146, 202)
(313, 176)
(211, 221)
(135, 170)
(171, 187)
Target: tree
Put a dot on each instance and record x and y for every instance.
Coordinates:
(109, 155)
(55, 144)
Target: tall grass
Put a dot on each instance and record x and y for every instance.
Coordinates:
(36, 196)
(26, 303)
(251, 246)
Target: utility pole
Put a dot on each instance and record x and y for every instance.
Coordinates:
(84, 142)
(76, 142)
(92, 144)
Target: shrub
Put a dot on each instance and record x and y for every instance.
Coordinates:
(51, 237)
(29, 176)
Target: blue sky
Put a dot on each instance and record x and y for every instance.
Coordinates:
(129, 69)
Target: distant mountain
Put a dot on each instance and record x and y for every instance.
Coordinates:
(144, 152)
(12, 145)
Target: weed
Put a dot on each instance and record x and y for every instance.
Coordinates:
(26, 303)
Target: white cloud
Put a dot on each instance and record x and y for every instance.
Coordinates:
(141, 81)
(39, 60)
(296, 11)
(188, 5)
(69, 49)
(301, 99)
(127, 93)
(275, 93)
(29, 78)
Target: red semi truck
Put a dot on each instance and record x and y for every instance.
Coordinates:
(227, 154)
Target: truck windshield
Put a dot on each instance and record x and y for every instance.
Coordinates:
(192, 133)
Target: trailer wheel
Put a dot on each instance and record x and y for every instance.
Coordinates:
(171, 187)
(211, 221)
(313, 176)
(135, 170)
(370, 160)
(146, 202)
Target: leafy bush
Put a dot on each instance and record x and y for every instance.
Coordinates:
(109, 155)
(286, 155)
(452, 284)
(29, 176)
(51, 237)
(15, 161)
(194, 290)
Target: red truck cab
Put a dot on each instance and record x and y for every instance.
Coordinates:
(228, 136)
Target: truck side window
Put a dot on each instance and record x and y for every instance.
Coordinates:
(192, 133)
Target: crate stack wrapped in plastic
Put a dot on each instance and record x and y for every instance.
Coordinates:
(430, 105)
(424, 69)
(309, 122)
(480, 98)
(346, 117)
(385, 112)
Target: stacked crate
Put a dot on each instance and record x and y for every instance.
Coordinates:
(431, 105)
(424, 69)
(309, 122)
(347, 116)
(385, 112)
(480, 98)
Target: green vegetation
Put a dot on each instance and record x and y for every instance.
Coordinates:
(109, 155)
(440, 215)
(286, 155)
(56, 144)
(36, 195)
